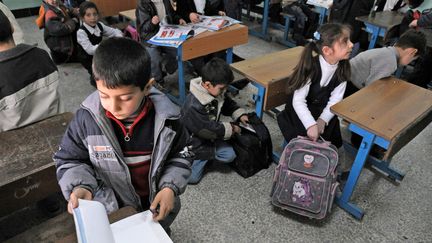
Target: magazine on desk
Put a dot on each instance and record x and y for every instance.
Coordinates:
(174, 35)
(215, 22)
(321, 3)
(92, 226)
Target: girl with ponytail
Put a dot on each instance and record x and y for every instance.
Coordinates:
(317, 83)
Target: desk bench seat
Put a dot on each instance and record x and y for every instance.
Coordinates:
(27, 170)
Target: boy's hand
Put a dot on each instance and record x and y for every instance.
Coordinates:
(78, 193)
(236, 129)
(413, 24)
(165, 199)
(312, 132)
(321, 125)
(182, 22)
(221, 13)
(244, 119)
(194, 17)
(155, 20)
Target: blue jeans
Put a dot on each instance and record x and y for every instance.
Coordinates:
(224, 153)
(156, 56)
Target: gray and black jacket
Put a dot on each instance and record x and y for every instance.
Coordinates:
(28, 87)
(201, 116)
(90, 155)
(144, 14)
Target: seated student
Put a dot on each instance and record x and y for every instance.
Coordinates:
(201, 116)
(190, 10)
(17, 32)
(124, 145)
(61, 25)
(28, 83)
(90, 34)
(378, 63)
(149, 14)
(425, 21)
(317, 83)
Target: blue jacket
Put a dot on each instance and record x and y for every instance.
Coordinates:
(90, 155)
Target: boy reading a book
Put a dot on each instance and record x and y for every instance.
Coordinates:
(125, 145)
(201, 116)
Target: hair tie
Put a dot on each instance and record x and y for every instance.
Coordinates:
(317, 35)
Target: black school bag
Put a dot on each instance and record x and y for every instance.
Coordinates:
(254, 150)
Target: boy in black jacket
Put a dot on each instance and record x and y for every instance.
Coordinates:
(201, 113)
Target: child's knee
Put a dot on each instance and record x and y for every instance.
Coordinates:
(226, 155)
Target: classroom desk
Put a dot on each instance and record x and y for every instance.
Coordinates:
(265, 23)
(130, 15)
(269, 73)
(201, 45)
(27, 170)
(396, 112)
(378, 25)
(61, 229)
(206, 43)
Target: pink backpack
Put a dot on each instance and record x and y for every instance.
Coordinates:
(131, 32)
(305, 179)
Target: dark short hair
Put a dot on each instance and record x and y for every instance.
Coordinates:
(413, 39)
(217, 71)
(5, 28)
(121, 62)
(86, 5)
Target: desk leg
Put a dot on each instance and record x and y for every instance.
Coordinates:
(374, 37)
(259, 99)
(264, 27)
(229, 55)
(322, 15)
(363, 152)
(181, 82)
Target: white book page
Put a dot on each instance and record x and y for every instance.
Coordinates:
(139, 228)
(91, 223)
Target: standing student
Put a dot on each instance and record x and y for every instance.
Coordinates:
(61, 25)
(317, 83)
(149, 15)
(90, 34)
(124, 145)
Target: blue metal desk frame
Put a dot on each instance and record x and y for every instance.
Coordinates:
(179, 100)
(369, 139)
(375, 31)
(264, 27)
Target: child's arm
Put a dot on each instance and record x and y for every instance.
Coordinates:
(335, 96)
(197, 121)
(175, 172)
(58, 26)
(425, 21)
(74, 169)
(145, 24)
(301, 108)
(85, 43)
(230, 108)
(110, 32)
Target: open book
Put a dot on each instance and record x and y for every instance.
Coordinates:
(320, 3)
(215, 22)
(92, 226)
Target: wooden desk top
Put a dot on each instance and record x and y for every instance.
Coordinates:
(385, 19)
(387, 107)
(130, 14)
(213, 41)
(269, 68)
(27, 150)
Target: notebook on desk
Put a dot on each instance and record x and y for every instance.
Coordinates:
(92, 226)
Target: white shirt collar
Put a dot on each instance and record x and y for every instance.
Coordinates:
(327, 66)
